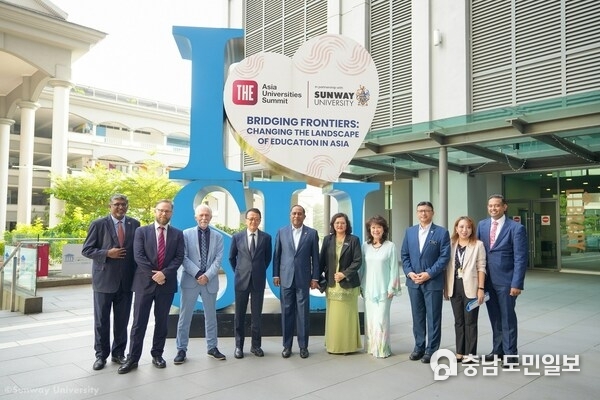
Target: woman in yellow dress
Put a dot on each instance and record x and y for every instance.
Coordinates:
(340, 260)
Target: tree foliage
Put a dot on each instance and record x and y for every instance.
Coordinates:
(87, 195)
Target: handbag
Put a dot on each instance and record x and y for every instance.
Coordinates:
(322, 283)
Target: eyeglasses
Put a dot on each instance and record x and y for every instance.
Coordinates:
(424, 211)
(253, 219)
(116, 205)
(164, 211)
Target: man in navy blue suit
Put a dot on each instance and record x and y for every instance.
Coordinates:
(158, 249)
(296, 271)
(250, 254)
(109, 243)
(425, 254)
(506, 246)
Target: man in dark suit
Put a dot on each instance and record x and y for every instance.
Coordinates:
(296, 271)
(158, 250)
(505, 242)
(425, 254)
(200, 277)
(249, 256)
(109, 243)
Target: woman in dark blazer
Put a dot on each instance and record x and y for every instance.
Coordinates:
(340, 260)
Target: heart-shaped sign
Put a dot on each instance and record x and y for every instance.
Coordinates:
(304, 117)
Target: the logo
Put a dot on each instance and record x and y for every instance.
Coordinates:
(244, 92)
(442, 371)
(362, 96)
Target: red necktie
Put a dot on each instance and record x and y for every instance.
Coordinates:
(493, 233)
(120, 233)
(161, 248)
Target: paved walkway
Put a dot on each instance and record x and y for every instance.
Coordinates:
(50, 355)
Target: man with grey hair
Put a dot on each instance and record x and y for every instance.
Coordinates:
(200, 277)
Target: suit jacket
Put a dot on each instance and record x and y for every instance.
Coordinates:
(507, 261)
(108, 274)
(473, 263)
(433, 259)
(296, 266)
(145, 252)
(245, 266)
(349, 263)
(191, 259)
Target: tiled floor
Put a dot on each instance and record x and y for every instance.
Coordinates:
(50, 355)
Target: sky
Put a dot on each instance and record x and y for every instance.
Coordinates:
(139, 55)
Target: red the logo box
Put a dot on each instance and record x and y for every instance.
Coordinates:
(244, 92)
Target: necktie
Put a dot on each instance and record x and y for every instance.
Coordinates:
(161, 248)
(120, 233)
(493, 233)
(203, 250)
(252, 244)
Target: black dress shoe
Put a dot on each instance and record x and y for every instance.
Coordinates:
(491, 357)
(238, 353)
(426, 359)
(257, 351)
(286, 353)
(510, 362)
(99, 364)
(159, 362)
(304, 352)
(127, 367)
(118, 359)
(416, 355)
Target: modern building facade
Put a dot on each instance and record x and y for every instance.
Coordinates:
(476, 97)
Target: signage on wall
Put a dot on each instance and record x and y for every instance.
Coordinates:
(304, 117)
(545, 219)
(517, 218)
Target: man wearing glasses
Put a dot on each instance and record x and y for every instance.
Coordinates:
(249, 256)
(158, 249)
(425, 254)
(109, 243)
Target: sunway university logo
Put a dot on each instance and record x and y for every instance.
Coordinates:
(304, 117)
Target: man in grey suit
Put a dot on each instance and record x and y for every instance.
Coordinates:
(200, 277)
(249, 256)
(296, 271)
(109, 243)
(507, 251)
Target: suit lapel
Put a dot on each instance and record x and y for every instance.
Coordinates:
(111, 229)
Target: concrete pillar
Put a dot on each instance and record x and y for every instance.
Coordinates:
(5, 125)
(60, 142)
(443, 185)
(28, 109)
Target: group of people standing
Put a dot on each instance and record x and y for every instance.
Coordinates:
(490, 259)
(128, 258)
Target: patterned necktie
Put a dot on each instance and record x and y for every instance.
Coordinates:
(493, 233)
(120, 233)
(161, 248)
(203, 250)
(252, 244)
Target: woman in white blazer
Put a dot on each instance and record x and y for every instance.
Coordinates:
(465, 278)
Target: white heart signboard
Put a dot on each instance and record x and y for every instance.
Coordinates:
(304, 117)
